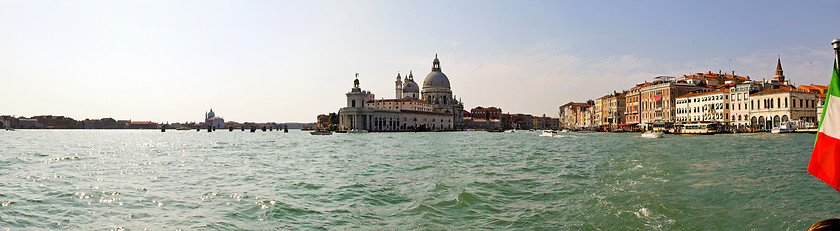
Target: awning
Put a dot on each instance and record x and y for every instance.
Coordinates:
(627, 124)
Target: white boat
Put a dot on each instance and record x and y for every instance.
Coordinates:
(784, 127)
(357, 131)
(320, 132)
(565, 130)
(511, 130)
(549, 133)
(653, 134)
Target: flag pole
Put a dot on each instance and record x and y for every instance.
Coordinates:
(836, 44)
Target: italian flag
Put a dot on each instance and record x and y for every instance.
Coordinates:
(825, 160)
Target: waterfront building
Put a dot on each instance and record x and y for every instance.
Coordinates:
(483, 118)
(771, 107)
(435, 108)
(23, 122)
(632, 106)
(609, 111)
(572, 115)
(56, 122)
(487, 113)
(739, 108)
(545, 122)
(521, 121)
(703, 106)
(657, 100)
(142, 125)
(211, 119)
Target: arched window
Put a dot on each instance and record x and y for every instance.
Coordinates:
(786, 102)
(353, 103)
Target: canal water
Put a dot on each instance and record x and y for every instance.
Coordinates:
(134, 180)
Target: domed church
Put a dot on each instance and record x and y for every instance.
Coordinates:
(433, 108)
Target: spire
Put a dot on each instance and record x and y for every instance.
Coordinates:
(411, 75)
(779, 67)
(436, 64)
(780, 76)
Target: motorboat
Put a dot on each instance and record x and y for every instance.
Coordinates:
(320, 132)
(565, 130)
(357, 131)
(549, 133)
(10, 129)
(653, 134)
(511, 130)
(784, 127)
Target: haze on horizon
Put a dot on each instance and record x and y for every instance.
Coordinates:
(287, 61)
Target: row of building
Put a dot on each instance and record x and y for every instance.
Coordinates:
(62, 122)
(430, 108)
(736, 102)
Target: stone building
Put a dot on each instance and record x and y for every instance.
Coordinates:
(771, 107)
(434, 108)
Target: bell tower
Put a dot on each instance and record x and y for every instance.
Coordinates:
(399, 87)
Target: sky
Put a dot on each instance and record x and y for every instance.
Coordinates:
(288, 61)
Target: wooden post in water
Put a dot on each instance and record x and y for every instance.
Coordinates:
(210, 128)
(271, 128)
(253, 129)
(243, 128)
(198, 128)
(163, 128)
(230, 129)
(286, 129)
(263, 128)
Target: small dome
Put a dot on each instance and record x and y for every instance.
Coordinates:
(410, 86)
(211, 114)
(436, 79)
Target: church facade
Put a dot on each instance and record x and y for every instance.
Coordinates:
(434, 108)
(211, 119)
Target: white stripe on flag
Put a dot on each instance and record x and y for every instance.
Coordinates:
(831, 122)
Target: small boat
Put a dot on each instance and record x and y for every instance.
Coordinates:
(183, 129)
(586, 131)
(10, 129)
(320, 132)
(784, 127)
(511, 130)
(357, 131)
(496, 130)
(549, 133)
(653, 134)
(531, 130)
(565, 130)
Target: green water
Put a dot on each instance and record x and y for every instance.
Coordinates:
(120, 179)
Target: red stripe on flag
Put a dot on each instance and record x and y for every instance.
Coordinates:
(825, 160)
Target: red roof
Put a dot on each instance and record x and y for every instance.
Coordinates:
(774, 91)
(704, 93)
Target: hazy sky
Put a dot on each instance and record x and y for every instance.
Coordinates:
(290, 61)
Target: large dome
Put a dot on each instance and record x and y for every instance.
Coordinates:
(436, 79)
